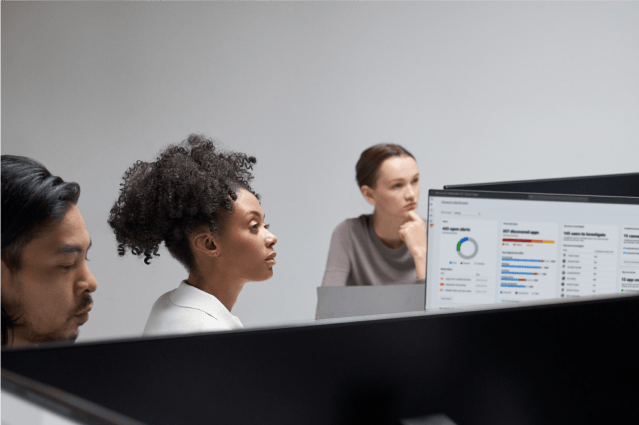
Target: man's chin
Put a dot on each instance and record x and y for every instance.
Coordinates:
(72, 335)
(66, 337)
(28, 336)
(71, 338)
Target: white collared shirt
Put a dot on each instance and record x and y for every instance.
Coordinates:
(188, 309)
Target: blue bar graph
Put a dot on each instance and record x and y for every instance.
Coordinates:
(507, 272)
(512, 286)
(519, 259)
(522, 267)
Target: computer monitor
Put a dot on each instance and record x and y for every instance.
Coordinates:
(18, 410)
(605, 185)
(561, 362)
(500, 247)
(29, 401)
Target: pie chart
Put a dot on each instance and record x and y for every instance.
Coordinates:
(469, 249)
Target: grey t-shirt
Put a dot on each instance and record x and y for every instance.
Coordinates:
(358, 257)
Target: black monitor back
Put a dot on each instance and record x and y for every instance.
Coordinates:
(553, 364)
(607, 185)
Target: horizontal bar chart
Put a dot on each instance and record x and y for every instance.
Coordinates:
(521, 259)
(528, 240)
(521, 267)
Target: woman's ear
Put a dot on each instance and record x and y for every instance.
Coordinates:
(203, 242)
(368, 194)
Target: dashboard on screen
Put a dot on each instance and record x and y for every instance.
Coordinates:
(500, 247)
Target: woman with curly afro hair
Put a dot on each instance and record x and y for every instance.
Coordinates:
(199, 202)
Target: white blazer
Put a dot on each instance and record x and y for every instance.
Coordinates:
(188, 309)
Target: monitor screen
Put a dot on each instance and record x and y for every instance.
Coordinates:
(500, 247)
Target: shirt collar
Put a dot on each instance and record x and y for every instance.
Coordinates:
(191, 297)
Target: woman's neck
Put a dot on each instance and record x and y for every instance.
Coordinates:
(224, 288)
(387, 228)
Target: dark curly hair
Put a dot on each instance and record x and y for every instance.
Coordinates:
(167, 199)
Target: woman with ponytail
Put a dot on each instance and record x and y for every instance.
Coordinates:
(199, 202)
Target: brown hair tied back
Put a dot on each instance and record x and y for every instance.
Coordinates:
(367, 168)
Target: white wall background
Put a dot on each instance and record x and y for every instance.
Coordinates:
(479, 92)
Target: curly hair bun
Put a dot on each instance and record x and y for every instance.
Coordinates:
(167, 199)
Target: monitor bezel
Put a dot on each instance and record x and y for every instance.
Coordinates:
(551, 180)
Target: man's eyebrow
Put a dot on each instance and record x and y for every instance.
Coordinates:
(70, 249)
(256, 213)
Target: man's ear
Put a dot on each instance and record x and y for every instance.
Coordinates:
(367, 192)
(5, 275)
(7, 288)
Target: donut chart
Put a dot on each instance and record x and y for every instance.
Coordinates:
(471, 254)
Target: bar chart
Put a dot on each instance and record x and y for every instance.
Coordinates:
(528, 261)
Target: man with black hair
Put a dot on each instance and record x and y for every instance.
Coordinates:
(46, 282)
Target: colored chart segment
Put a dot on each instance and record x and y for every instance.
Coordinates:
(467, 254)
(528, 240)
(460, 243)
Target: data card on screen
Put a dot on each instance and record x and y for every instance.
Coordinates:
(528, 261)
(466, 261)
(491, 247)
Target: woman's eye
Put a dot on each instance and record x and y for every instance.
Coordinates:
(415, 181)
(266, 226)
(254, 227)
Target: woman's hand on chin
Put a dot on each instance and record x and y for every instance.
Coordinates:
(413, 233)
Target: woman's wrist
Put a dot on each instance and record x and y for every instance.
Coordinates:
(420, 266)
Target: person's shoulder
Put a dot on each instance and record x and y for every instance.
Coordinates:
(212, 323)
(174, 320)
(164, 301)
(354, 223)
(350, 226)
(166, 317)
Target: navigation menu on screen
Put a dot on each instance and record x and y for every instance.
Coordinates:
(486, 248)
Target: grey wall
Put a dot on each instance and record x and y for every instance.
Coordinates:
(479, 92)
